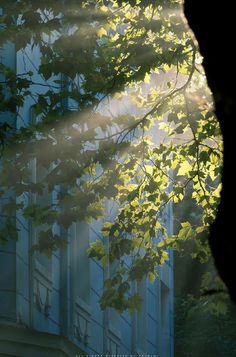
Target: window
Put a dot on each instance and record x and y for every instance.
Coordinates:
(165, 321)
(141, 329)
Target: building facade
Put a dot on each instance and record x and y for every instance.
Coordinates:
(50, 306)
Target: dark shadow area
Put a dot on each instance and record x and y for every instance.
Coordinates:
(213, 26)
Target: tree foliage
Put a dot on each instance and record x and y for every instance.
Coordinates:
(212, 329)
(96, 56)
